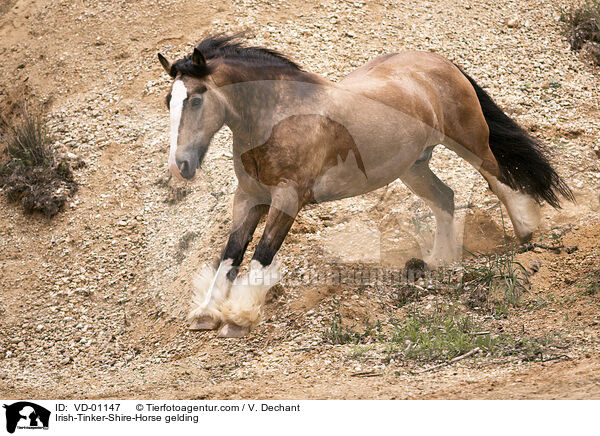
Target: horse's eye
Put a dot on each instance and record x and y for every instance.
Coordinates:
(196, 101)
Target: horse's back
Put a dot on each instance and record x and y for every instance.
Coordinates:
(427, 87)
(399, 66)
(413, 78)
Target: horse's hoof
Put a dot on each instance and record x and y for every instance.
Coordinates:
(204, 323)
(416, 268)
(414, 264)
(525, 238)
(231, 330)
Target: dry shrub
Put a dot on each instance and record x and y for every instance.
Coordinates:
(582, 27)
(31, 172)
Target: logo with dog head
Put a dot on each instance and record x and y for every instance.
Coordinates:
(26, 415)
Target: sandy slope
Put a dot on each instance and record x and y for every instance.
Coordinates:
(93, 302)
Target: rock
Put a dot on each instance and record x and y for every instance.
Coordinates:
(534, 266)
(513, 22)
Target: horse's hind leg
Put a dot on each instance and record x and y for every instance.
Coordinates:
(523, 210)
(423, 182)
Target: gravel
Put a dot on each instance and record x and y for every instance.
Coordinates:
(107, 283)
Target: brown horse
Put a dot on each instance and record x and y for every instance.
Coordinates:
(299, 138)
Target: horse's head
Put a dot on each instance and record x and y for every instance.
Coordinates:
(197, 110)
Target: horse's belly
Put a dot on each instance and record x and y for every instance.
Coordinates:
(347, 179)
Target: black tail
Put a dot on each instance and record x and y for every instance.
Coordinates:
(523, 162)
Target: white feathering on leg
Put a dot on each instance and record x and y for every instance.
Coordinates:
(248, 294)
(210, 290)
(526, 215)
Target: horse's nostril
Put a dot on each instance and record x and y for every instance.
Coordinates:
(184, 167)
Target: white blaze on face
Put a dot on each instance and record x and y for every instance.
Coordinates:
(178, 95)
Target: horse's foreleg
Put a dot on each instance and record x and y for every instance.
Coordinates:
(211, 287)
(242, 310)
(247, 212)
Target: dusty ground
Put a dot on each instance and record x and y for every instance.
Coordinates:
(93, 301)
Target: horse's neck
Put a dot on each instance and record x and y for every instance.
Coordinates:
(260, 104)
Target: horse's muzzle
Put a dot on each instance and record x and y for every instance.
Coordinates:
(185, 164)
(184, 169)
(187, 169)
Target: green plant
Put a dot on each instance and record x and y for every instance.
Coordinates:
(501, 280)
(443, 334)
(358, 351)
(499, 283)
(531, 347)
(591, 285)
(440, 335)
(338, 334)
(593, 288)
(540, 302)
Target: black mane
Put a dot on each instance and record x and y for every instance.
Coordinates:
(231, 47)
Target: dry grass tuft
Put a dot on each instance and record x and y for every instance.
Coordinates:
(582, 27)
(31, 172)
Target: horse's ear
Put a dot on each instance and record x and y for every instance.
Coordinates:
(165, 64)
(198, 58)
